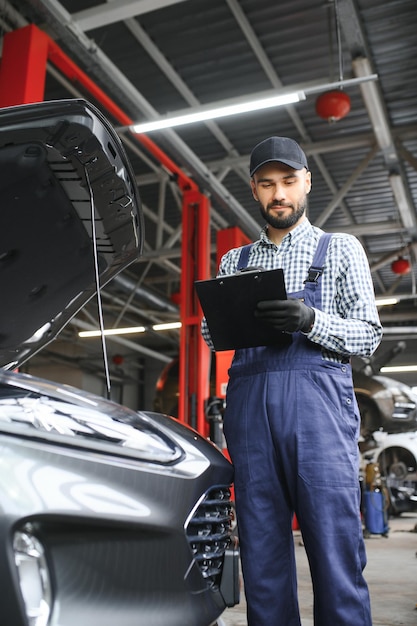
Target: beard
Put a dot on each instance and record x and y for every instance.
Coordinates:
(284, 222)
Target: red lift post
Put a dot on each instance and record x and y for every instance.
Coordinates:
(23, 67)
(226, 239)
(194, 376)
(22, 81)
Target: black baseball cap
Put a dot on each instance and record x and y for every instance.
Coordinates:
(282, 149)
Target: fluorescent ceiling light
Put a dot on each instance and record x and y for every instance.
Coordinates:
(112, 331)
(223, 111)
(400, 330)
(386, 301)
(398, 368)
(129, 330)
(244, 104)
(167, 326)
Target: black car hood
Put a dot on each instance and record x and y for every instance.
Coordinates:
(61, 162)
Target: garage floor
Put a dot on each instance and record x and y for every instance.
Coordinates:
(391, 574)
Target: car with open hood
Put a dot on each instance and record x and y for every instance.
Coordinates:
(107, 515)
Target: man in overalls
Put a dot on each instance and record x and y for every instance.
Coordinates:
(291, 421)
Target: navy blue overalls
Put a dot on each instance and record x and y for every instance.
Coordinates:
(291, 425)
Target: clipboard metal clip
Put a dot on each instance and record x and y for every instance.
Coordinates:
(251, 268)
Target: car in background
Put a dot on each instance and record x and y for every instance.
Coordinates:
(388, 411)
(385, 404)
(107, 515)
(396, 456)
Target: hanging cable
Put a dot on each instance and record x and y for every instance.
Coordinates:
(339, 41)
(97, 280)
(330, 26)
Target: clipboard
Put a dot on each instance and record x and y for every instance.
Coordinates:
(229, 303)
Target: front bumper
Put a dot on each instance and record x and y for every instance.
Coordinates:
(127, 541)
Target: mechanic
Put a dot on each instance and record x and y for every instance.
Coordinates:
(291, 421)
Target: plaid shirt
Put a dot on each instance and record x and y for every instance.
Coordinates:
(348, 323)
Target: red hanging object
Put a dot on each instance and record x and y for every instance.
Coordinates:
(401, 266)
(118, 359)
(333, 105)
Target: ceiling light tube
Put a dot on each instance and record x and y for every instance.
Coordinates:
(167, 326)
(244, 104)
(112, 331)
(400, 330)
(386, 301)
(398, 368)
(222, 111)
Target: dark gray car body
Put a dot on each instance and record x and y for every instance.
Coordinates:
(132, 509)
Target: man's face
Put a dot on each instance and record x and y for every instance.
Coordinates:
(282, 194)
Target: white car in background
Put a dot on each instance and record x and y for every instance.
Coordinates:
(389, 435)
(396, 455)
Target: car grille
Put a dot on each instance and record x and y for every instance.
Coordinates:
(209, 533)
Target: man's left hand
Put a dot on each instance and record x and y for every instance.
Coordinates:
(286, 315)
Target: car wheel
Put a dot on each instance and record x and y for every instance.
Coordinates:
(399, 467)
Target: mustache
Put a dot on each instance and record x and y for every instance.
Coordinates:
(277, 203)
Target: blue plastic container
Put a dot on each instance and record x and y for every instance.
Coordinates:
(375, 512)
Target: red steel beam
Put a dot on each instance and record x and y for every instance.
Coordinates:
(23, 68)
(226, 239)
(194, 362)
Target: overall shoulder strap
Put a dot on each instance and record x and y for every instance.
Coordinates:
(316, 267)
(244, 257)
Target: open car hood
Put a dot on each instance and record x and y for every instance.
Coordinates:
(61, 162)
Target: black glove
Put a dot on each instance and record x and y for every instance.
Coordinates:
(286, 315)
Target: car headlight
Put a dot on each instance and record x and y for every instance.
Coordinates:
(403, 409)
(130, 434)
(34, 578)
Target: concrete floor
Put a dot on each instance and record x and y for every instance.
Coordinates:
(391, 574)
